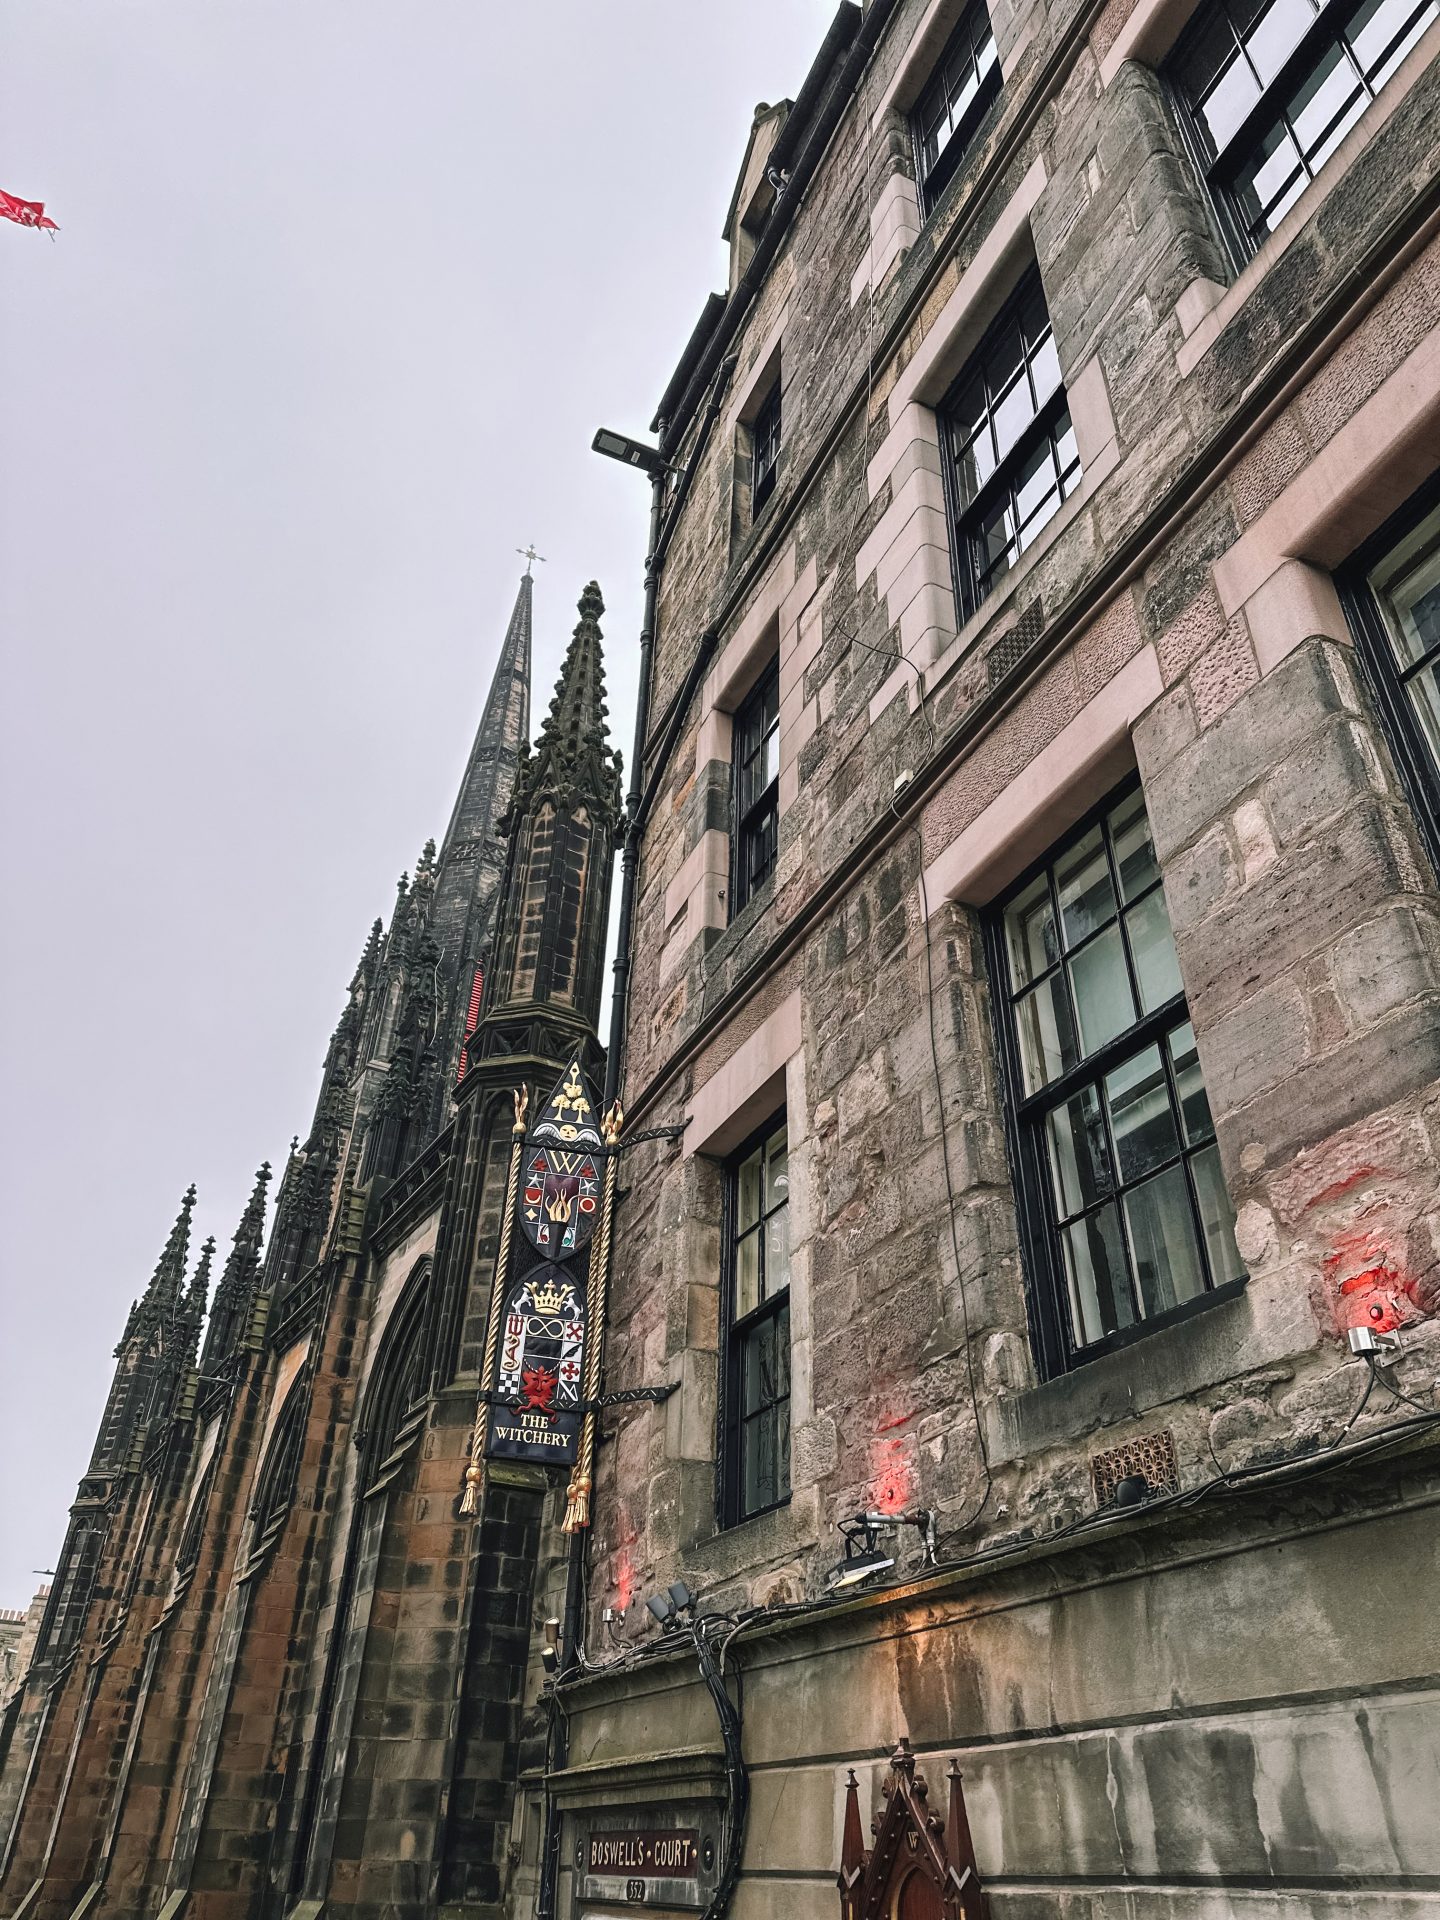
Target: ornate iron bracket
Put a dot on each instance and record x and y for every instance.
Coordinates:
(627, 1397)
(672, 1132)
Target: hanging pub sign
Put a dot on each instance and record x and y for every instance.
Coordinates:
(541, 1370)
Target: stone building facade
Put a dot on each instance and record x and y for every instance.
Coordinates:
(277, 1671)
(1038, 943)
(1023, 1331)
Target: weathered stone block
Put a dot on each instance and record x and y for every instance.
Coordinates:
(1259, 1044)
(1390, 960)
(1296, 908)
(1187, 791)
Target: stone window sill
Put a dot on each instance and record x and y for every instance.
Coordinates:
(1202, 1350)
(996, 612)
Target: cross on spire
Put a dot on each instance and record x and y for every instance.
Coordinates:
(530, 556)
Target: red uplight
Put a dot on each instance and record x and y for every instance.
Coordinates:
(624, 1581)
(893, 1481)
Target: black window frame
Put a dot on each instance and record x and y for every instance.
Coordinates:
(1220, 171)
(1418, 769)
(756, 814)
(933, 176)
(765, 441)
(975, 583)
(1053, 1338)
(739, 1332)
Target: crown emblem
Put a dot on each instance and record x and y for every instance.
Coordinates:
(548, 1297)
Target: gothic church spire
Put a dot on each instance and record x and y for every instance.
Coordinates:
(553, 908)
(236, 1291)
(500, 738)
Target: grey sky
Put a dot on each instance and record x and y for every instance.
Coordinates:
(342, 290)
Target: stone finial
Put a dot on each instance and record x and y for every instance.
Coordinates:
(236, 1289)
(162, 1296)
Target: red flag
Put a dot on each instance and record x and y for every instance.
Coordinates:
(25, 213)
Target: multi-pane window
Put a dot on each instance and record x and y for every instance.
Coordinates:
(1013, 457)
(765, 449)
(755, 1457)
(1395, 606)
(757, 786)
(1271, 87)
(953, 104)
(1127, 1214)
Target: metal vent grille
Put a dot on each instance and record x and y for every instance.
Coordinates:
(1152, 1456)
(1010, 649)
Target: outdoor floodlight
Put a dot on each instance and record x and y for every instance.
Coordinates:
(858, 1567)
(864, 1557)
(633, 453)
(668, 1606)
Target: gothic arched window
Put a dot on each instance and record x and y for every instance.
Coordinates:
(394, 1405)
(275, 1486)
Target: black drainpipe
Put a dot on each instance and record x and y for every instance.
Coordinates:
(573, 1626)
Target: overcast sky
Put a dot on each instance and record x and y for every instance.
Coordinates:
(342, 290)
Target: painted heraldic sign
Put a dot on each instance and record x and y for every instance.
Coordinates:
(542, 1363)
(560, 1194)
(541, 1366)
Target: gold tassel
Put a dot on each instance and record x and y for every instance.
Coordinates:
(577, 1509)
(474, 1487)
(475, 1470)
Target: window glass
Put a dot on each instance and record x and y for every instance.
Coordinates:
(1030, 932)
(1271, 91)
(1189, 1085)
(1160, 1224)
(765, 449)
(1013, 456)
(757, 787)
(1046, 1032)
(1097, 1276)
(755, 1467)
(1079, 1151)
(948, 112)
(1104, 1004)
(1406, 586)
(1082, 881)
(1111, 1093)
(1152, 951)
(1134, 854)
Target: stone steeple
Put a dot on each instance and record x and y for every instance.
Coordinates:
(471, 856)
(499, 739)
(150, 1329)
(543, 994)
(439, 938)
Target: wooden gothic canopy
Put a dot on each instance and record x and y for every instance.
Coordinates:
(921, 1867)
